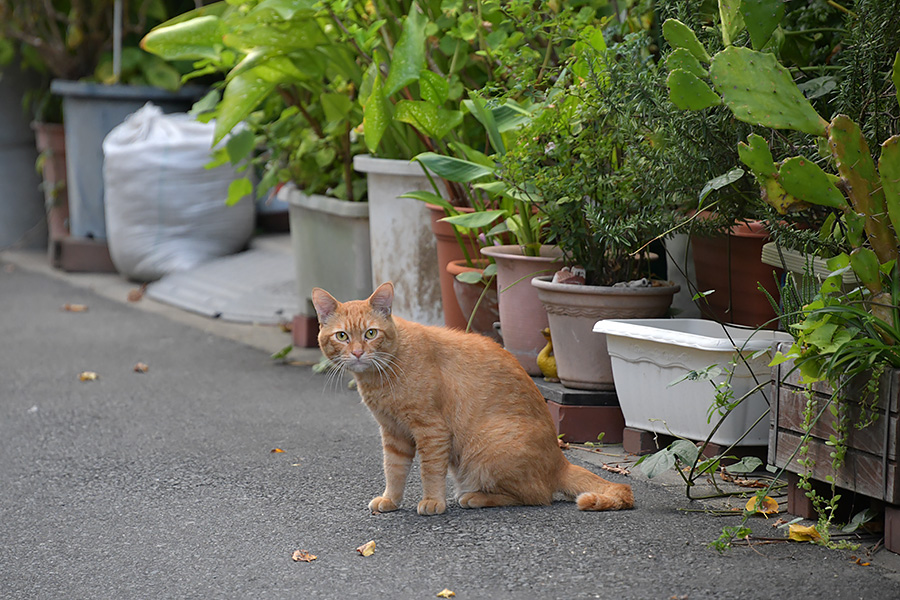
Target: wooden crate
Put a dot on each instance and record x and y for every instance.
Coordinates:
(871, 465)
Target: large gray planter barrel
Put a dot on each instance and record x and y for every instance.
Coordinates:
(21, 203)
(90, 111)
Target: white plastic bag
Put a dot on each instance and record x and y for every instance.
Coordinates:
(165, 211)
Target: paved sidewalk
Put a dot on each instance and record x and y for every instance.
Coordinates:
(164, 484)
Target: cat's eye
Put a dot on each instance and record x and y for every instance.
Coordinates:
(341, 336)
(371, 334)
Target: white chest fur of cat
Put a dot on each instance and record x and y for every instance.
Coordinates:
(459, 401)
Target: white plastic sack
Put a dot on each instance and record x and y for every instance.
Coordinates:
(165, 212)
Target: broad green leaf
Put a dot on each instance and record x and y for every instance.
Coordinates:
(237, 189)
(196, 39)
(721, 181)
(748, 464)
(486, 118)
(470, 277)
(270, 66)
(433, 88)
(430, 198)
(475, 220)
(293, 35)
(408, 58)
(433, 121)
(686, 451)
(453, 169)
(242, 95)
(660, 462)
(376, 116)
(240, 145)
(284, 10)
(337, 107)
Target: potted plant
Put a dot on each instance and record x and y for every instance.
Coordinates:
(414, 102)
(580, 161)
(290, 99)
(844, 353)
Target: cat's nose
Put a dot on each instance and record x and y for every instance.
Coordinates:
(357, 353)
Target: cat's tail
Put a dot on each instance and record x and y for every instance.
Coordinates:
(592, 492)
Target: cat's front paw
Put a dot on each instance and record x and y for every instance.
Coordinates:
(432, 506)
(382, 504)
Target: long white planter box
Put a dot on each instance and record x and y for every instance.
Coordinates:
(648, 355)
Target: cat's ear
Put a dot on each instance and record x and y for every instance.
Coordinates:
(382, 298)
(324, 303)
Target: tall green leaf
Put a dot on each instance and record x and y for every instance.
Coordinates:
(376, 115)
(197, 39)
(453, 169)
(242, 95)
(409, 53)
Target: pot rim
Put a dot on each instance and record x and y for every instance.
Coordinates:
(544, 282)
(514, 251)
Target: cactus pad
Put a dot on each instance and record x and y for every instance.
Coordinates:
(756, 155)
(680, 35)
(760, 91)
(689, 92)
(889, 170)
(775, 196)
(804, 179)
(684, 60)
(761, 17)
(857, 169)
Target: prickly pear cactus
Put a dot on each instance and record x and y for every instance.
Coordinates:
(756, 155)
(805, 180)
(889, 170)
(760, 91)
(680, 35)
(689, 92)
(857, 169)
(684, 60)
(761, 17)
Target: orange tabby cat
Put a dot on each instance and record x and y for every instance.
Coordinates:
(460, 401)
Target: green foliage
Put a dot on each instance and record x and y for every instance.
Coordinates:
(583, 159)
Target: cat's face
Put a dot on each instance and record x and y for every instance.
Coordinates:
(358, 335)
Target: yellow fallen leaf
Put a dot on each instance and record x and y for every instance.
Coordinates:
(87, 376)
(303, 556)
(75, 307)
(367, 549)
(767, 506)
(141, 368)
(275, 451)
(803, 533)
(445, 593)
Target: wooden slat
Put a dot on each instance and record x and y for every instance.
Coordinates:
(862, 472)
(791, 405)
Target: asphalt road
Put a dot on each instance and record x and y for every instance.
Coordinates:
(163, 484)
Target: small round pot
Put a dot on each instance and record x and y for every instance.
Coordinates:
(582, 359)
(467, 296)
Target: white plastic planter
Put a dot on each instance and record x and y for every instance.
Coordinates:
(648, 355)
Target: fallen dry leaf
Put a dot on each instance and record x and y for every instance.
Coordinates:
(768, 506)
(137, 294)
(562, 444)
(87, 376)
(75, 307)
(803, 533)
(615, 469)
(445, 593)
(141, 368)
(286, 327)
(367, 549)
(779, 523)
(275, 451)
(741, 481)
(303, 556)
(860, 561)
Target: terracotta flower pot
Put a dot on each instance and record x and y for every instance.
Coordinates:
(448, 249)
(731, 266)
(522, 316)
(468, 296)
(582, 359)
